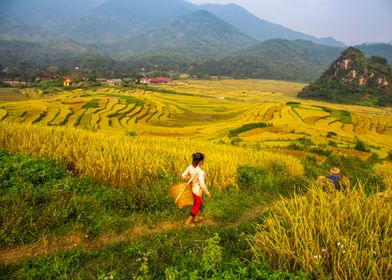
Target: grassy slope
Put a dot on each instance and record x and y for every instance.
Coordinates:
(49, 203)
(46, 203)
(209, 110)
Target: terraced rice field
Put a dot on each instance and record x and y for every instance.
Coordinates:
(205, 109)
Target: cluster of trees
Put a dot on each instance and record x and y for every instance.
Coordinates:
(339, 84)
(274, 59)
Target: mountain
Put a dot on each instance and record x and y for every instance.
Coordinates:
(199, 34)
(260, 29)
(354, 79)
(377, 49)
(118, 20)
(330, 41)
(144, 12)
(106, 22)
(45, 13)
(274, 59)
(26, 60)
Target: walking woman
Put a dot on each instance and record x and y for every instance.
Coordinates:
(198, 187)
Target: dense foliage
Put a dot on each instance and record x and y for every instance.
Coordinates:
(273, 59)
(354, 79)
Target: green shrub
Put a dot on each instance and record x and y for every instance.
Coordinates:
(212, 255)
(320, 151)
(293, 104)
(247, 127)
(38, 197)
(296, 147)
(332, 143)
(331, 134)
(131, 133)
(360, 146)
(389, 156)
(92, 104)
(306, 142)
(235, 141)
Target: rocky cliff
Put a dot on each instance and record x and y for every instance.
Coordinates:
(354, 79)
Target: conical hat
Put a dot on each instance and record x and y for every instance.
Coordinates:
(334, 171)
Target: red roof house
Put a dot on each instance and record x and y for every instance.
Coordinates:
(161, 80)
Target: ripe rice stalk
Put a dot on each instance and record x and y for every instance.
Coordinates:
(336, 235)
(121, 161)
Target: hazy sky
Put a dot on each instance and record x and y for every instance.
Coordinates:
(350, 21)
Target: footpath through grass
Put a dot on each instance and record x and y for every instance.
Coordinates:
(42, 199)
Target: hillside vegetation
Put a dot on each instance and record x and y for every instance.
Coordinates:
(354, 79)
(296, 60)
(85, 176)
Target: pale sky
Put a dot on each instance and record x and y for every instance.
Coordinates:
(350, 21)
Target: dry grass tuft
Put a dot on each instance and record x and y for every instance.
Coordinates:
(343, 235)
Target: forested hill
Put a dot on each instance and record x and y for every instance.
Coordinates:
(354, 79)
(379, 49)
(197, 35)
(274, 59)
(104, 22)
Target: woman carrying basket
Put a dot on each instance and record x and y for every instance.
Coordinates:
(198, 187)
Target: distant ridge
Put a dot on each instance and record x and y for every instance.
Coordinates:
(377, 49)
(198, 34)
(110, 23)
(261, 29)
(274, 59)
(354, 79)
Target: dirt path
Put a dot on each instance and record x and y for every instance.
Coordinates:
(48, 246)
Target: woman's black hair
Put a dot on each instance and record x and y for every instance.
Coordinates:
(197, 158)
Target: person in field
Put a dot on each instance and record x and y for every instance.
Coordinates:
(335, 177)
(334, 181)
(198, 187)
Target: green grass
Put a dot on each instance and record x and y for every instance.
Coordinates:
(92, 104)
(201, 253)
(342, 115)
(40, 117)
(247, 127)
(294, 104)
(40, 197)
(125, 99)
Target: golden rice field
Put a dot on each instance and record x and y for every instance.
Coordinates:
(206, 110)
(339, 235)
(129, 138)
(129, 162)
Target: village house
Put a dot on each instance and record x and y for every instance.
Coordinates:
(158, 80)
(115, 82)
(102, 80)
(161, 80)
(68, 81)
(144, 81)
(15, 83)
(41, 79)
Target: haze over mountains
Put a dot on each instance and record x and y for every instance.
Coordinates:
(137, 22)
(127, 30)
